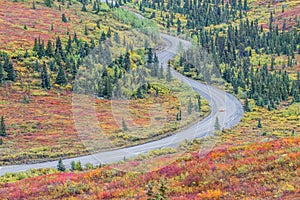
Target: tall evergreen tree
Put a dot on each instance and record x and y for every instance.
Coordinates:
(49, 49)
(2, 74)
(150, 55)
(45, 77)
(259, 125)
(2, 127)
(41, 51)
(127, 61)
(246, 105)
(9, 68)
(86, 32)
(59, 53)
(103, 37)
(83, 9)
(73, 165)
(36, 66)
(36, 45)
(198, 103)
(48, 3)
(271, 22)
(33, 5)
(246, 5)
(60, 166)
(64, 18)
(117, 38)
(108, 34)
(69, 45)
(61, 78)
(139, 93)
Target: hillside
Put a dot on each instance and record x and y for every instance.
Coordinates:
(50, 67)
(101, 53)
(256, 171)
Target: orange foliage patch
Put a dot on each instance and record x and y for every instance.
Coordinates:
(254, 171)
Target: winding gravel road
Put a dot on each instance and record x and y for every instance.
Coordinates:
(217, 99)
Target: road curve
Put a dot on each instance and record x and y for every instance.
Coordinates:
(216, 97)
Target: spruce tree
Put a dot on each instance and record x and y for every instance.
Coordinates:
(107, 91)
(48, 3)
(103, 37)
(36, 66)
(98, 24)
(180, 115)
(25, 99)
(33, 5)
(26, 55)
(60, 166)
(245, 5)
(198, 103)
(139, 93)
(49, 49)
(127, 61)
(41, 51)
(2, 74)
(58, 48)
(83, 9)
(69, 45)
(2, 127)
(45, 78)
(108, 34)
(93, 44)
(64, 18)
(259, 125)
(61, 78)
(52, 65)
(271, 22)
(9, 68)
(94, 5)
(75, 39)
(86, 32)
(150, 56)
(117, 38)
(73, 165)
(246, 105)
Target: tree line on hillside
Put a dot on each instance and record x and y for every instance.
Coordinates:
(66, 60)
(232, 47)
(197, 13)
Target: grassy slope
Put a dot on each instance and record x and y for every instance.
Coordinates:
(44, 128)
(243, 171)
(246, 163)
